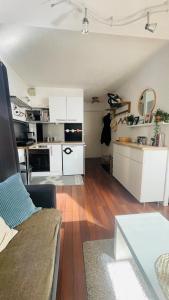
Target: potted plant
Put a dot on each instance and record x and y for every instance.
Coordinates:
(166, 117)
(130, 119)
(159, 115)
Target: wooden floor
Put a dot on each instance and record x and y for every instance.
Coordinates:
(88, 214)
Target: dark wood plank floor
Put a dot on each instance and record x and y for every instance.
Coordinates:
(88, 214)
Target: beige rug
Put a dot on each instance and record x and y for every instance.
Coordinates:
(58, 180)
(107, 279)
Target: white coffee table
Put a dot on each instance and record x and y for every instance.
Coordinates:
(144, 237)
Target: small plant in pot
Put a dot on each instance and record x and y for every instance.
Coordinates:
(130, 119)
(159, 115)
(166, 117)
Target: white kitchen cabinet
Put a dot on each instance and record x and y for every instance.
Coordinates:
(55, 159)
(75, 109)
(66, 109)
(141, 171)
(57, 109)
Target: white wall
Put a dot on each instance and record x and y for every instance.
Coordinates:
(17, 86)
(93, 116)
(43, 93)
(154, 74)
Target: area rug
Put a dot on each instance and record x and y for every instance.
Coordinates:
(107, 279)
(58, 180)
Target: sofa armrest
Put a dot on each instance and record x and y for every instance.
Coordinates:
(43, 195)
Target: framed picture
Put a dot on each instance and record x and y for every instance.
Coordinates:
(136, 120)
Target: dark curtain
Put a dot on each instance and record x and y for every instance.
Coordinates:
(8, 151)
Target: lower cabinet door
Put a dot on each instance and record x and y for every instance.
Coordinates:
(129, 173)
(121, 166)
(55, 160)
(135, 178)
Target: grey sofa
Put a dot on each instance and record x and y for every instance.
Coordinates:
(42, 195)
(45, 196)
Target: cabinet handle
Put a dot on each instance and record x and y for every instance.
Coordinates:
(51, 152)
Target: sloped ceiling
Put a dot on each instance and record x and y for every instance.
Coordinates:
(95, 62)
(46, 48)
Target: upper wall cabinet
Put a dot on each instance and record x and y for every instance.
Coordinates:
(75, 109)
(57, 109)
(66, 109)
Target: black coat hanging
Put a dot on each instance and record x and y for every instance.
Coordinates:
(106, 132)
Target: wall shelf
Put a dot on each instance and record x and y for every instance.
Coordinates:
(146, 125)
(118, 111)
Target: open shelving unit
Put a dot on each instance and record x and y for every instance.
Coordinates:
(118, 111)
(147, 125)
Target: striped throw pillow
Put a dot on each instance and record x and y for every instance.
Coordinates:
(15, 203)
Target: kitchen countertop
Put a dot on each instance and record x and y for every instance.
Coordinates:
(141, 147)
(51, 143)
(62, 143)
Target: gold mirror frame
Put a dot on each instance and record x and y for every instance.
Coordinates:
(140, 99)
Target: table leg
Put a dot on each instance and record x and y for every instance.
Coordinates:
(121, 250)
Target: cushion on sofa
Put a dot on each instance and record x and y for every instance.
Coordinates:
(15, 203)
(6, 234)
(27, 264)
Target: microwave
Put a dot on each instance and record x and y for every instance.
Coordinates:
(38, 115)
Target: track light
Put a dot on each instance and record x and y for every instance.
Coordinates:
(151, 27)
(85, 23)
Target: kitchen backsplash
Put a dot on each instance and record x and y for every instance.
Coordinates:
(54, 130)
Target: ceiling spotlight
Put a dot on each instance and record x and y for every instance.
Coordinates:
(85, 23)
(151, 27)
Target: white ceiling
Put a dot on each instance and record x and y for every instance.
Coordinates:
(95, 62)
(45, 52)
(39, 13)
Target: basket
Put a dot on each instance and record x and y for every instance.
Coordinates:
(162, 271)
(124, 139)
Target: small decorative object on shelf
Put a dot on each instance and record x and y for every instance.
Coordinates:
(162, 271)
(136, 120)
(148, 118)
(130, 120)
(142, 140)
(141, 120)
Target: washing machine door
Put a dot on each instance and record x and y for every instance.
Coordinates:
(73, 160)
(68, 150)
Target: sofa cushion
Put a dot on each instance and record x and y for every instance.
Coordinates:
(27, 263)
(6, 234)
(15, 204)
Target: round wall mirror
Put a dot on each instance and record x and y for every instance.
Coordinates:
(147, 102)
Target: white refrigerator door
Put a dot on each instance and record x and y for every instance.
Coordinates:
(73, 160)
